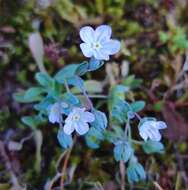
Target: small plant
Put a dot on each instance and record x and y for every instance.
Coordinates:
(63, 99)
(175, 39)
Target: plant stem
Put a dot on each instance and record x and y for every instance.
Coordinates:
(67, 86)
(138, 116)
(65, 164)
(87, 98)
(137, 142)
(122, 174)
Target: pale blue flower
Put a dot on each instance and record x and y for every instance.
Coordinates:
(150, 130)
(56, 111)
(78, 120)
(97, 43)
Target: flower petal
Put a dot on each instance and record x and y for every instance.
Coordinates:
(54, 113)
(76, 109)
(87, 34)
(103, 33)
(69, 128)
(143, 134)
(88, 117)
(81, 128)
(53, 117)
(155, 135)
(86, 50)
(100, 55)
(111, 47)
(161, 125)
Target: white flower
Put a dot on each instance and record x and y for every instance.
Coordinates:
(150, 129)
(78, 120)
(56, 111)
(97, 43)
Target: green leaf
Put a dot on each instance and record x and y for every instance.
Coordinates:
(116, 135)
(66, 72)
(100, 121)
(64, 140)
(117, 94)
(137, 106)
(95, 64)
(94, 137)
(44, 79)
(135, 173)
(20, 97)
(131, 82)
(44, 104)
(82, 68)
(71, 99)
(163, 36)
(179, 39)
(153, 147)
(119, 91)
(158, 106)
(33, 121)
(36, 47)
(119, 111)
(33, 93)
(75, 81)
(92, 65)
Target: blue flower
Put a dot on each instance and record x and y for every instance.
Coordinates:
(56, 111)
(97, 43)
(78, 120)
(150, 130)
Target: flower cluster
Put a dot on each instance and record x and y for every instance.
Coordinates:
(58, 103)
(98, 46)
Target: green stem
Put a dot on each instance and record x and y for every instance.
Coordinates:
(67, 86)
(87, 98)
(137, 142)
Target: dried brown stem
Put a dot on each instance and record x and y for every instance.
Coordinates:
(122, 174)
(65, 164)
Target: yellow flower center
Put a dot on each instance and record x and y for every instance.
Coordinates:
(96, 45)
(76, 117)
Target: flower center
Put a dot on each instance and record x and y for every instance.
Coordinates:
(76, 117)
(96, 46)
